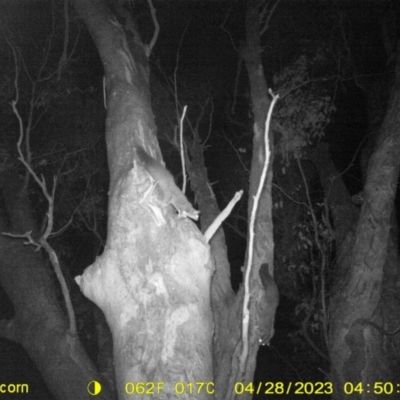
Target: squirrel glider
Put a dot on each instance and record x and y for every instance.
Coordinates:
(165, 181)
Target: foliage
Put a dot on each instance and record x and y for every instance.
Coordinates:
(305, 108)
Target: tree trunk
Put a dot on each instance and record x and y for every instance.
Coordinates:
(228, 308)
(264, 299)
(361, 348)
(226, 305)
(153, 279)
(39, 324)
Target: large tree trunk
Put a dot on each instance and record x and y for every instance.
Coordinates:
(152, 282)
(153, 279)
(362, 307)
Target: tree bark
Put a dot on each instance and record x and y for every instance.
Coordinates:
(264, 291)
(225, 304)
(39, 324)
(153, 279)
(359, 347)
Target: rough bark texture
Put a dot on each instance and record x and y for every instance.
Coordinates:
(263, 246)
(153, 279)
(225, 304)
(39, 324)
(359, 350)
(344, 212)
(227, 307)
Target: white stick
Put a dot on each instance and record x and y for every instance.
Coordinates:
(182, 149)
(246, 300)
(222, 216)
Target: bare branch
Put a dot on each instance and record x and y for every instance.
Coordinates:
(227, 32)
(222, 216)
(27, 235)
(156, 26)
(182, 150)
(266, 25)
(64, 55)
(236, 151)
(210, 124)
(235, 90)
(176, 72)
(64, 288)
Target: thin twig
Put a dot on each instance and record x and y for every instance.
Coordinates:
(182, 150)
(153, 12)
